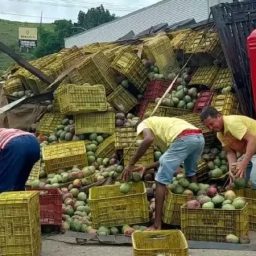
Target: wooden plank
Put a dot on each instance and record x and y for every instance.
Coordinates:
(23, 63)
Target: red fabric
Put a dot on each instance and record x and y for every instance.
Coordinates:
(190, 132)
(7, 134)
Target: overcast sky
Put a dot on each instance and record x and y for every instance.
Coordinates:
(30, 10)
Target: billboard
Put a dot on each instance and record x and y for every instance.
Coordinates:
(27, 34)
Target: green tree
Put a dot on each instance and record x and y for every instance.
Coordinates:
(94, 17)
(53, 41)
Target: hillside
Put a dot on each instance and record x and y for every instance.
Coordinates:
(9, 36)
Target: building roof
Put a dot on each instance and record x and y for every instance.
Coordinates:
(166, 11)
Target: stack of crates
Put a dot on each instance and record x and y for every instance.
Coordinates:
(122, 100)
(20, 232)
(204, 76)
(109, 207)
(227, 104)
(125, 137)
(131, 66)
(49, 122)
(159, 50)
(64, 155)
(222, 79)
(75, 99)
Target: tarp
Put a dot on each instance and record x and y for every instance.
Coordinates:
(22, 117)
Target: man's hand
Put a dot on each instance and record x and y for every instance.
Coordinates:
(240, 169)
(131, 168)
(127, 172)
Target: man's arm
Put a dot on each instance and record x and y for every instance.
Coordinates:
(250, 151)
(148, 138)
(145, 144)
(231, 157)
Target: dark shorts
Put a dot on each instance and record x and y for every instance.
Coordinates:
(16, 162)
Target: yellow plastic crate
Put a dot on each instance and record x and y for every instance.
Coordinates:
(179, 38)
(165, 111)
(20, 230)
(124, 137)
(146, 159)
(122, 99)
(13, 84)
(159, 49)
(35, 172)
(250, 197)
(163, 242)
(75, 77)
(204, 76)
(131, 66)
(222, 79)
(99, 122)
(171, 209)
(202, 42)
(227, 104)
(96, 70)
(107, 147)
(64, 155)
(214, 224)
(49, 122)
(109, 207)
(77, 99)
(71, 57)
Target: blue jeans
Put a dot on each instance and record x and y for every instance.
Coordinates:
(187, 149)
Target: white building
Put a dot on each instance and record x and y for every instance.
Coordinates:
(166, 11)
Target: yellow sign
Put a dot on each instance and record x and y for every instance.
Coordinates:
(27, 33)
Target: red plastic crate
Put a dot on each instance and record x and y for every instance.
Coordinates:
(204, 99)
(141, 108)
(155, 89)
(50, 207)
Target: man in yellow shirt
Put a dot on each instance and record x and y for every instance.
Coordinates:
(237, 134)
(184, 143)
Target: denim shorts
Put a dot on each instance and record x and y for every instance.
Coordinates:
(185, 149)
(249, 176)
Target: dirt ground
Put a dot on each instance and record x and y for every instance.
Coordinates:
(54, 248)
(61, 245)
